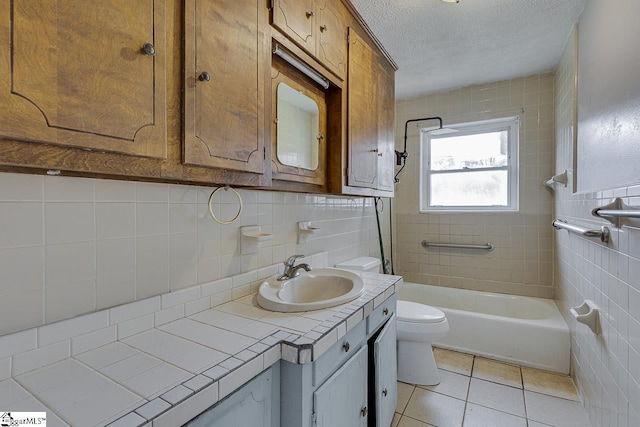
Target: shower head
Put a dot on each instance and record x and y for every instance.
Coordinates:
(401, 156)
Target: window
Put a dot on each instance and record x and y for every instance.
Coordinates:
(474, 168)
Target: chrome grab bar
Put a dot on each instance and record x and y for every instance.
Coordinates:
(603, 233)
(616, 213)
(487, 246)
(616, 210)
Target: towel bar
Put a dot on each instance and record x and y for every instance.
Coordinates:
(487, 246)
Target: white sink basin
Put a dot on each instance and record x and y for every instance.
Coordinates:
(313, 290)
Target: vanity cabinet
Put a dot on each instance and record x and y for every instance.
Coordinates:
(370, 117)
(85, 75)
(352, 384)
(317, 26)
(257, 403)
(384, 392)
(226, 71)
(342, 399)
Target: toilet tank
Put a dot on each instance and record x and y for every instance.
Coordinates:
(363, 263)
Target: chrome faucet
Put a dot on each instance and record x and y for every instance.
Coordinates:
(291, 270)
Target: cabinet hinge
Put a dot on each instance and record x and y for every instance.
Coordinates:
(314, 419)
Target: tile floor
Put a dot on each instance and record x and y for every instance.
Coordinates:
(479, 392)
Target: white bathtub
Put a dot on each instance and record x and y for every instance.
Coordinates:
(522, 330)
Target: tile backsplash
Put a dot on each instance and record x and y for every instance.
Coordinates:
(522, 262)
(70, 246)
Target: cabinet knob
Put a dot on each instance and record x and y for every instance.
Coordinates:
(309, 14)
(346, 346)
(384, 392)
(323, 28)
(204, 77)
(148, 49)
(385, 311)
(364, 411)
(375, 150)
(379, 154)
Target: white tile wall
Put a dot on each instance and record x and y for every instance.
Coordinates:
(522, 261)
(71, 246)
(606, 367)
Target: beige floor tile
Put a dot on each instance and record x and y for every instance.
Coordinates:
(497, 396)
(549, 383)
(396, 419)
(451, 384)
(404, 393)
(497, 372)
(453, 361)
(479, 416)
(410, 422)
(555, 411)
(435, 409)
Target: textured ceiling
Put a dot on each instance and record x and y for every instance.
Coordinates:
(440, 46)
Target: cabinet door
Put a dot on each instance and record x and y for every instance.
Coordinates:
(362, 114)
(285, 169)
(385, 366)
(74, 73)
(342, 399)
(386, 125)
(332, 37)
(224, 84)
(249, 406)
(296, 19)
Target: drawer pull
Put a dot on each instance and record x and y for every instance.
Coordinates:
(364, 411)
(384, 392)
(385, 311)
(204, 77)
(148, 49)
(346, 346)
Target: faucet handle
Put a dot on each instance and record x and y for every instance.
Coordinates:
(290, 262)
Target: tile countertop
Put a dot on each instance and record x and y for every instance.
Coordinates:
(164, 367)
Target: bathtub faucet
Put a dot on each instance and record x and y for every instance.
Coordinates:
(291, 270)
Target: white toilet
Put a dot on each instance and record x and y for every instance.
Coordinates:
(417, 326)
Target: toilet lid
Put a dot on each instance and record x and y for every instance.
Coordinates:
(418, 313)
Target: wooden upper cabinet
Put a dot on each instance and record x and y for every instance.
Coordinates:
(225, 84)
(297, 19)
(370, 117)
(75, 73)
(386, 125)
(362, 118)
(331, 47)
(317, 26)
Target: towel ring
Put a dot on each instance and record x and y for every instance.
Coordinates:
(232, 220)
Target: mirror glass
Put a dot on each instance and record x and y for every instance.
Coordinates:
(297, 120)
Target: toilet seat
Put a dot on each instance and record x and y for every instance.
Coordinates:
(413, 312)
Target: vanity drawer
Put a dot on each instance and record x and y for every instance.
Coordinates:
(381, 314)
(333, 358)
